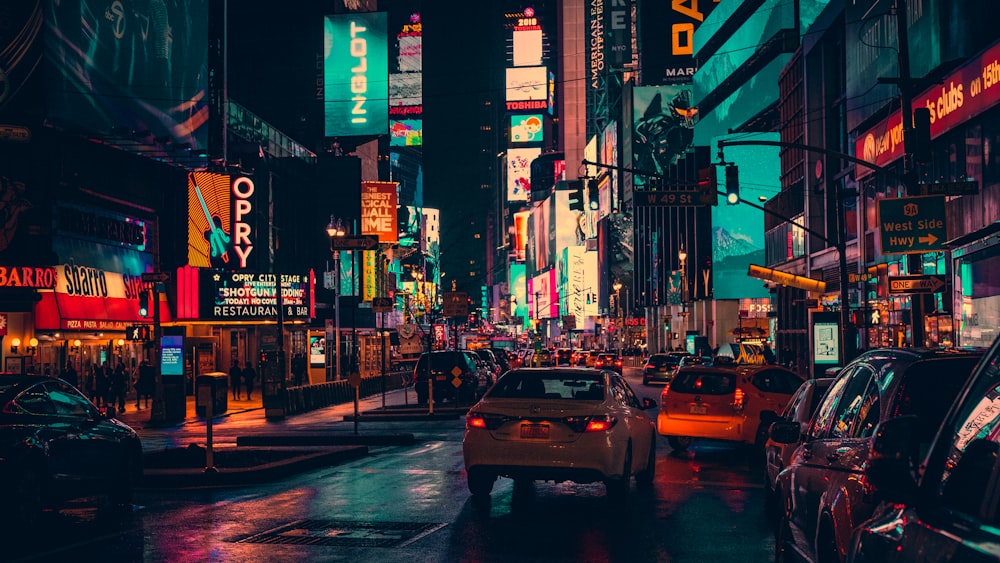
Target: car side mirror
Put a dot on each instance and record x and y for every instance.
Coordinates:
(784, 432)
(892, 454)
(769, 416)
(648, 403)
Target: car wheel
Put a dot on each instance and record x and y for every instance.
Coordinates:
(28, 498)
(679, 443)
(644, 478)
(481, 482)
(617, 489)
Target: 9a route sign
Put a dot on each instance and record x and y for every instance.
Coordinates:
(912, 225)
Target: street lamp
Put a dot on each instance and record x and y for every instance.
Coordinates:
(335, 228)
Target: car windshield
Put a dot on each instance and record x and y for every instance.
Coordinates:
(703, 382)
(662, 359)
(549, 384)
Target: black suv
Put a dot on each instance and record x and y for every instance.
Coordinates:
(447, 368)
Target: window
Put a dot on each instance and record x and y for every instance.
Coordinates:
(825, 411)
(852, 403)
(67, 401)
(34, 401)
(776, 381)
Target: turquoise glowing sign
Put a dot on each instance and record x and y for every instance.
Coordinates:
(355, 74)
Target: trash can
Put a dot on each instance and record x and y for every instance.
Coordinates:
(212, 386)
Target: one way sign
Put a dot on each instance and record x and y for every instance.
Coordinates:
(916, 284)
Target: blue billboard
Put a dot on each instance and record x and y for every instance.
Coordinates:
(355, 74)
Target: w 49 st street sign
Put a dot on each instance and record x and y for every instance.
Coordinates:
(916, 284)
(912, 225)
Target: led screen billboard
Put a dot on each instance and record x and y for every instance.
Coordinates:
(128, 66)
(379, 202)
(519, 173)
(520, 237)
(738, 230)
(222, 221)
(663, 128)
(670, 62)
(543, 295)
(526, 128)
(541, 234)
(406, 93)
(406, 133)
(527, 47)
(527, 83)
(519, 290)
(355, 74)
(581, 297)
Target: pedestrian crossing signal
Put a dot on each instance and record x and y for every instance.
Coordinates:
(138, 333)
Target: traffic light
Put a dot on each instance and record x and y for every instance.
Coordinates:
(576, 199)
(708, 185)
(144, 303)
(593, 195)
(732, 185)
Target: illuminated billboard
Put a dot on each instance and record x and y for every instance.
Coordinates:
(519, 173)
(670, 61)
(541, 235)
(406, 93)
(520, 237)
(581, 283)
(609, 156)
(117, 65)
(526, 128)
(379, 201)
(355, 74)
(738, 237)
(543, 296)
(527, 83)
(406, 133)
(222, 221)
(663, 128)
(519, 290)
(527, 47)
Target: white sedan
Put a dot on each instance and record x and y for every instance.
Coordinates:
(560, 424)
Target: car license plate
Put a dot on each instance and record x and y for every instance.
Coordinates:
(699, 409)
(535, 431)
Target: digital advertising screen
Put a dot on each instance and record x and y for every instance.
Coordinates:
(244, 296)
(527, 47)
(519, 290)
(406, 133)
(379, 202)
(526, 128)
(317, 351)
(520, 237)
(519, 173)
(406, 94)
(527, 83)
(172, 355)
(663, 128)
(355, 74)
(738, 237)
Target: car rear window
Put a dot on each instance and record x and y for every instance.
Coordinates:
(927, 392)
(703, 383)
(553, 384)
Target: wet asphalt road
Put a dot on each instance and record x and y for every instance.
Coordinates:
(411, 503)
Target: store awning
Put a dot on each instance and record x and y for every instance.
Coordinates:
(61, 311)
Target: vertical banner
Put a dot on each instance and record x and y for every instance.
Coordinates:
(378, 210)
(355, 74)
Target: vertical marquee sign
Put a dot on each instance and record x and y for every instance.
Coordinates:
(355, 74)
(222, 230)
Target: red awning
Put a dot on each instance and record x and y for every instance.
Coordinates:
(60, 311)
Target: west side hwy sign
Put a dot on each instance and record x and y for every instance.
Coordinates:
(916, 284)
(912, 225)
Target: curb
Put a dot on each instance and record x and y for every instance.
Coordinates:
(300, 439)
(309, 458)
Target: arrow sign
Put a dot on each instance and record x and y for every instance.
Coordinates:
(360, 242)
(916, 284)
(155, 277)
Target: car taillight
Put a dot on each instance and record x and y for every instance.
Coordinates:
(618, 363)
(597, 423)
(484, 420)
(738, 399)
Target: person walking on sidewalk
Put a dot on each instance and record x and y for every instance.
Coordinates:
(249, 375)
(145, 383)
(119, 386)
(236, 379)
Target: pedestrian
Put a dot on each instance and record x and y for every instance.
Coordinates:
(249, 375)
(144, 385)
(69, 375)
(119, 386)
(299, 369)
(102, 381)
(236, 379)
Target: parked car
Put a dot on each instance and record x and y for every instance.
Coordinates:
(800, 409)
(722, 403)
(609, 361)
(55, 445)
(661, 367)
(824, 490)
(949, 511)
(560, 424)
(443, 366)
